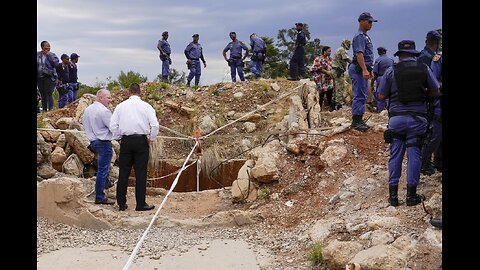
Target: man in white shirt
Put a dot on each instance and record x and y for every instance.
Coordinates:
(96, 121)
(135, 124)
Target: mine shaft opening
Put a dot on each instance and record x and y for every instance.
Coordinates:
(163, 173)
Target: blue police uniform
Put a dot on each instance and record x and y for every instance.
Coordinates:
(434, 146)
(163, 43)
(73, 76)
(46, 78)
(297, 62)
(235, 60)
(361, 43)
(382, 63)
(407, 123)
(259, 51)
(426, 56)
(63, 72)
(194, 52)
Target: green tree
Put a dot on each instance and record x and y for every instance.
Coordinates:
(130, 77)
(174, 77)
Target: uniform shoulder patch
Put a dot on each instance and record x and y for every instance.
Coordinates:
(436, 57)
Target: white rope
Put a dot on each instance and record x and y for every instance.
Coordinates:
(252, 112)
(137, 247)
(170, 174)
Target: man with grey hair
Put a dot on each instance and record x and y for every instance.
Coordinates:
(96, 121)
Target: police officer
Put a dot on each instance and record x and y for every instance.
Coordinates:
(340, 61)
(73, 75)
(297, 63)
(407, 85)
(381, 64)
(432, 45)
(259, 51)
(360, 70)
(429, 56)
(63, 71)
(235, 61)
(193, 52)
(164, 48)
(47, 62)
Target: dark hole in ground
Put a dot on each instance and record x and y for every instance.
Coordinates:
(224, 177)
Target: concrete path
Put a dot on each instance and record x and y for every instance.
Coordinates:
(217, 254)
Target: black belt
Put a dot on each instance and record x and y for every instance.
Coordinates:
(133, 136)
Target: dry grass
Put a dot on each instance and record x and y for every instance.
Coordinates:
(156, 154)
(212, 157)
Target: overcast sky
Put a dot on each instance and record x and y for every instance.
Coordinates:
(115, 35)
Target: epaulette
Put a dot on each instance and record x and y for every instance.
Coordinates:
(436, 57)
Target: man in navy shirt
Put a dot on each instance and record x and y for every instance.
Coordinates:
(164, 48)
(297, 63)
(407, 85)
(235, 61)
(360, 70)
(382, 63)
(193, 52)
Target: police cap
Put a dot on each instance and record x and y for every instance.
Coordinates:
(407, 46)
(366, 16)
(433, 35)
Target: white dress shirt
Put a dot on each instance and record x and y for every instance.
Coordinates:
(96, 121)
(134, 116)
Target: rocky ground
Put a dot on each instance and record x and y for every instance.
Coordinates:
(331, 188)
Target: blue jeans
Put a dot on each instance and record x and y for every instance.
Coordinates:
(105, 152)
(410, 127)
(359, 91)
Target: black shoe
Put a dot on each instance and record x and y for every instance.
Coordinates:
(123, 207)
(393, 195)
(412, 197)
(293, 79)
(436, 222)
(339, 106)
(146, 207)
(104, 201)
(109, 185)
(427, 168)
(357, 123)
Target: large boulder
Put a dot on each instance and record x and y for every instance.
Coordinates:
(58, 157)
(43, 149)
(50, 135)
(265, 157)
(64, 123)
(62, 200)
(79, 142)
(207, 125)
(83, 103)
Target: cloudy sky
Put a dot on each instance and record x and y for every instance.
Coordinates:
(115, 35)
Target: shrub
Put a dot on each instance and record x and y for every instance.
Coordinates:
(125, 79)
(315, 253)
(264, 193)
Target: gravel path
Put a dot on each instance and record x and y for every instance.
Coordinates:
(271, 252)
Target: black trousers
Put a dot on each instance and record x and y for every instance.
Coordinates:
(297, 63)
(46, 87)
(133, 151)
